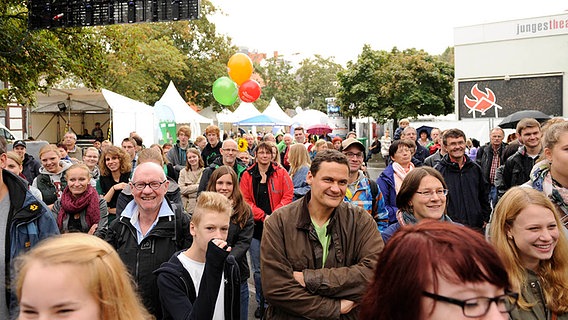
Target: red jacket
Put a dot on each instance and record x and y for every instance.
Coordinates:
(280, 189)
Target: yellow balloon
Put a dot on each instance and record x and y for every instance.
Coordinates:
(239, 68)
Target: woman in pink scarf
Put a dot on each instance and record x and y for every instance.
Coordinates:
(80, 208)
(390, 180)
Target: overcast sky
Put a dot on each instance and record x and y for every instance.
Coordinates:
(301, 28)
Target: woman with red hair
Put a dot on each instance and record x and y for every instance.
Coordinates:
(435, 270)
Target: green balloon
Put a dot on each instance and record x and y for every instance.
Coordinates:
(225, 91)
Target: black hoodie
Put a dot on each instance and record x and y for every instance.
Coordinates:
(177, 291)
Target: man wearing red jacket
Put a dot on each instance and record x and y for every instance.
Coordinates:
(266, 186)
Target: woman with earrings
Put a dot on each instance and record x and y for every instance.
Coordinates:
(528, 236)
(422, 195)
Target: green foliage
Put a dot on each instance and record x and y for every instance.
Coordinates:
(317, 81)
(396, 84)
(277, 80)
(34, 60)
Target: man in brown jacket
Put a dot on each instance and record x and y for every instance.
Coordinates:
(318, 253)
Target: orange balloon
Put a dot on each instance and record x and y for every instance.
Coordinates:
(239, 68)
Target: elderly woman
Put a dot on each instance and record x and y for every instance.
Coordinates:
(115, 165)
(390, 180)
(421, 196)
(51, 179)
(532, 244)
(80, 208)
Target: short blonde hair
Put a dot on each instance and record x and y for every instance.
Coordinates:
(108, 279)
(211, 201)
(47, 148)
(15, 157)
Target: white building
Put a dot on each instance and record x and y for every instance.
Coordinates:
(508, 66)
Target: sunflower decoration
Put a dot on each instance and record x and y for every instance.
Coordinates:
(243, 144)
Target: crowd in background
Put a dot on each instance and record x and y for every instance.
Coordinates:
(439, 195)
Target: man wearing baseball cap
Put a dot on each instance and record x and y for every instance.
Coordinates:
(30, 165)
(362, 191)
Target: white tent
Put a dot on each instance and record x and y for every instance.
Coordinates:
(79, 100)
(309, 117)
(274, 110)
(224, 116)
(244, 111)
(130, 115)
(183, 113)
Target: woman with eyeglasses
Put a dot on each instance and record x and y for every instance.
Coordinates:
(91, 160)
(438, 271)
(527, 233)
(390, 180)
(421, 196)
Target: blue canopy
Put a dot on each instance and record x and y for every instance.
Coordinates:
(263, 120)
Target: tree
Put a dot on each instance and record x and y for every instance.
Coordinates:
(317, 80)
(35, 60)
(396, 84)
(278, 82)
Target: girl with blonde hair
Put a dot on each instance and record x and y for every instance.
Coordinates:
(78, 275)
(299, 166)
(532, 244)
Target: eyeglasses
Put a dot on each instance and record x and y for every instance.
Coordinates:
(351, 155)
(430, 193)
(154, 185)
(479, 306)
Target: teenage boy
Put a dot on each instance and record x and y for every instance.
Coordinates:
(203, 281)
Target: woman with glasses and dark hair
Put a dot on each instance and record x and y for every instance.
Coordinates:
(438, 271)
(390, 180)
(527, 233)
(421, 196)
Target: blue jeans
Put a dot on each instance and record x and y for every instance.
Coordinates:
(493, 196)
(255, 261)
(244, 300)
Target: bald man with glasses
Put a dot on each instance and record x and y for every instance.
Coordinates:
(229, 151)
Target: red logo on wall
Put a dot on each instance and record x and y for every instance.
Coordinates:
(481, 102)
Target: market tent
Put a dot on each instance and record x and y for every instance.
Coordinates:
(224, 116)
(309, 117)
(130, 115)
(244, 111)
(274, 110)
(182, 111)
(262, 120)
(79, 100)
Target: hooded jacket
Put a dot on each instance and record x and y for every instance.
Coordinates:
(45, 184)
(182, 301)
(28, 222)
(30, 167)
(468, 192)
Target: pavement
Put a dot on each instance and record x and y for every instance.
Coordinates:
(375, 166)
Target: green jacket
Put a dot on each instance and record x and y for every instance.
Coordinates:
(533, 293)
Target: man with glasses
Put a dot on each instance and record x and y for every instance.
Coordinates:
(148, 232)
(362, 191)
(266, 186)
(468, 197)
(229, 151)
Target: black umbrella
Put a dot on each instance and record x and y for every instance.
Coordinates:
(510, 121)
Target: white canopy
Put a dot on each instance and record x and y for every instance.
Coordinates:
(182, 111)
(79, 100)
(274, 110)
(309, 117)
(244, 111)
(130, 115)
(224, 116)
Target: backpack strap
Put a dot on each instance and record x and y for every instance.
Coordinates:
(374, 193)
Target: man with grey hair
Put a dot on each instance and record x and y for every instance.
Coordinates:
(73, 151)
(269, 137)
(148, 232)
(421, 153)
(229, 151)
(283, 148)
(25, 222)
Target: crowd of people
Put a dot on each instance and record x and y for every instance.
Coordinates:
(450, 229)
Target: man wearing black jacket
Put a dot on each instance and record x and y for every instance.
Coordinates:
(490, 157)
(468, 201)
